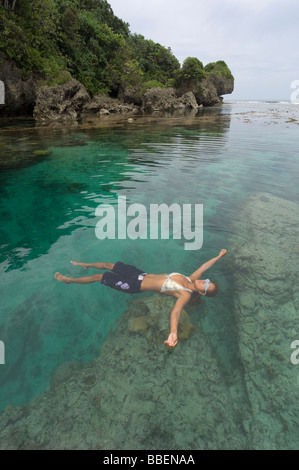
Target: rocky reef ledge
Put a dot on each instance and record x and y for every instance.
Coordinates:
(266, 308)
(69, 101)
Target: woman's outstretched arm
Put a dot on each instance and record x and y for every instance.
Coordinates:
(204, 267)
(175, 319)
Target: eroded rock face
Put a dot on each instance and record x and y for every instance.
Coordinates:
(209, 91)
(60, 102)
(20, 94)
(130, 95)
(166, 100)
(102, 105)
(66, 102)
(266, 309)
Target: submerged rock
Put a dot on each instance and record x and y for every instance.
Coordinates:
(136, 395)
(19, 158)
(64, 372)
(150, 318)
(266, 316)
(42, 153)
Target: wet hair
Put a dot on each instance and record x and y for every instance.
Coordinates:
(196, 298)
(214, 292)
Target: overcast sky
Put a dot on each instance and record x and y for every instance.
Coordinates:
(258, 39)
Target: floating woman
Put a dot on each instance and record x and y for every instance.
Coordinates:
(131, 280)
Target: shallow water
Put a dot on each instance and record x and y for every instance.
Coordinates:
(48, 204)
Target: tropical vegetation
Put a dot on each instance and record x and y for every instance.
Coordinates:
(84, 39)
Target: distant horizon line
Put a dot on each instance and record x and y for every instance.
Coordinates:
(259, 100)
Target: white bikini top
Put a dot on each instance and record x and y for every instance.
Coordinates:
(169, 284)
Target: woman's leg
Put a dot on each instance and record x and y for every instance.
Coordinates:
(78, 280)
(108, 266)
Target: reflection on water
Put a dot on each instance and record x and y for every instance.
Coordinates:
(58, 177)
(52, 180)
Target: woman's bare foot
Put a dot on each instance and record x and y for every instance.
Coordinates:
(62, 278)
(83, 265)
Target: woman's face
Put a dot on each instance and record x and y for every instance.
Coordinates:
(200, 286)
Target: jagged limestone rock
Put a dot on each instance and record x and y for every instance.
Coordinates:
(104, 105)
(166, 100)
(60, 102)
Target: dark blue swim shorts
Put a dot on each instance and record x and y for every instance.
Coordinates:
(124, 277)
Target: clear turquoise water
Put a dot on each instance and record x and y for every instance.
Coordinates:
(47, 211)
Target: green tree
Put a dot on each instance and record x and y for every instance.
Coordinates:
(98, 58)
(191, 73)
(132, 74)
(84, 39)
(218, 68)
(156, 62)
(28, 35)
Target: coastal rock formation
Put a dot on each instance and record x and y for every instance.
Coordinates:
(102, 105)
(60, 102)
(266, 308)
(70, 101)
(223, 86)
(206, 94)
(208, 91)
(165, 99)
(130, 95)
(135, 395)
(20, 94)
